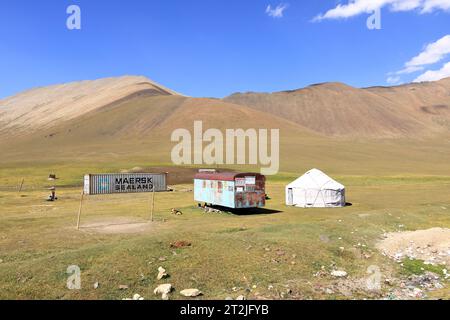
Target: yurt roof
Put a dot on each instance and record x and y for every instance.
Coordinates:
(316, 179)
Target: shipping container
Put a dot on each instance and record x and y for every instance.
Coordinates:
(230, 189)
(124, 183)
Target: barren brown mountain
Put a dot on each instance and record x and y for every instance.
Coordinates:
(42, 108)
(335, 109)
(129, 115)
(331, 126)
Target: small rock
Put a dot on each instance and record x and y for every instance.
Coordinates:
(137, 297)
(339, 273)
(417, 293)
(162, 273)
(388, 282)
(123, 287)
(438, 285)
(241, 297)
(96, 285)
(191, 293)
(164, 290)
(228, 298)
(162, 259)
(329, 291)
(165, 296)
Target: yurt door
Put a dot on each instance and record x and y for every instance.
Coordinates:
(290, 197)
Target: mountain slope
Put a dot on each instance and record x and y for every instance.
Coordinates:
(41, 108)
(135, 124)
(335, 109)
(129, 121)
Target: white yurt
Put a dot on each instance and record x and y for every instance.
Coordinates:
(315, 190)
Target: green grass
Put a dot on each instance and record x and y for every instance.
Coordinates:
(418, 267)
(38, 240)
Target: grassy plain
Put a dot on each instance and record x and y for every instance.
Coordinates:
(270, 254)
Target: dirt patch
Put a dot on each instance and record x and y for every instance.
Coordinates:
(431, 246)
(118, 226)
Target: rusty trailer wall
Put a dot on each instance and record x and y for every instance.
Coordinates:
(253, 195)
(124, 183)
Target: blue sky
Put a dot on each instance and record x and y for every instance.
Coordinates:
(214, 47)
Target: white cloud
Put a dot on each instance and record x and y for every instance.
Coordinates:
(432, 53)
(435, 75)
(431, 5)
(277, 12)
(357, 7)
(393, 80)
(409, 69)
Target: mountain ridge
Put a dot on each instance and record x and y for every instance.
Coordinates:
(330, 109)
(337, 110)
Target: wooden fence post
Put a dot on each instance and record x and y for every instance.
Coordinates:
(21, 185)
(79, 210)
(153, 204)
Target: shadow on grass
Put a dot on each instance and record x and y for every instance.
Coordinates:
(247, 212)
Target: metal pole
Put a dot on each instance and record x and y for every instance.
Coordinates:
(79, 210)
